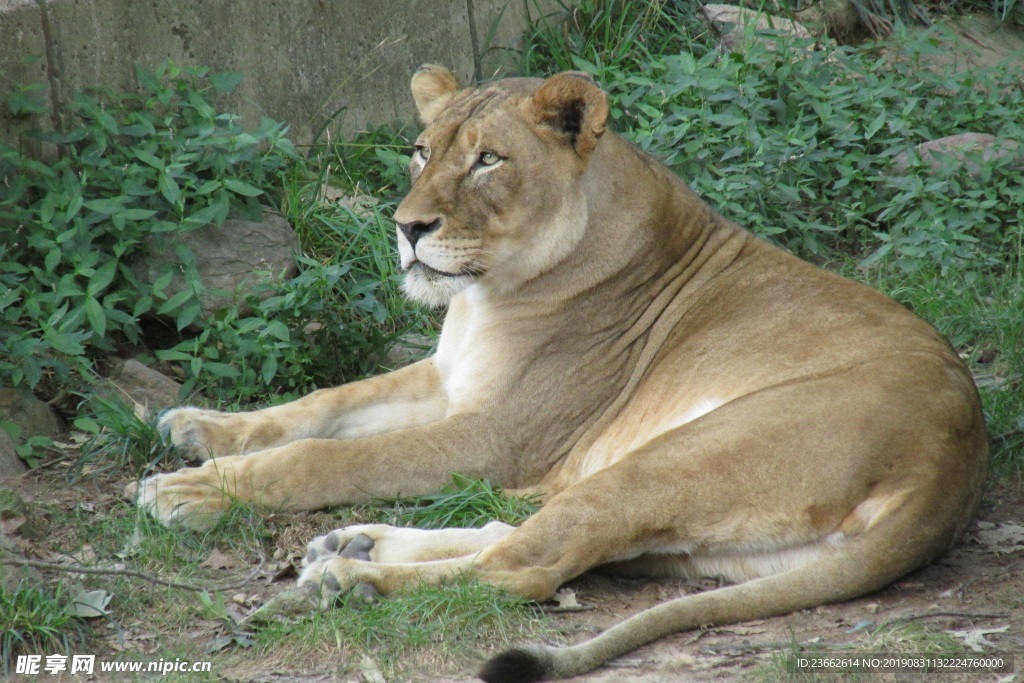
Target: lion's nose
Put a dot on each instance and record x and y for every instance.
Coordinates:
(416, 229)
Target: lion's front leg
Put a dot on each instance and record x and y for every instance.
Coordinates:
(194, 497)
(205, 434)
(316, 473)
(405, 398)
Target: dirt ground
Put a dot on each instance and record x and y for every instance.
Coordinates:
(977, 592)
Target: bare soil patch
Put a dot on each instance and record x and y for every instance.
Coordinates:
(979, 585)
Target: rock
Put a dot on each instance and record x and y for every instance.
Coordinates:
(961, 147)
(32, 416)
(12, 576)
(11, 465)
(408, 349)
(143, 388)
(16, 520)
(835, 18)
(231, 258)
(732, 23)
(969, 41)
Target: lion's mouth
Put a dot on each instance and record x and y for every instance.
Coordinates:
(434, 272)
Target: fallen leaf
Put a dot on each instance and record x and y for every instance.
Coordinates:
(10, 523)
(131, 546)
(1008, 537)
(975, 638)
(89, 604)
(279, 571)
(370, 671)
(222, 642)
(218, 560)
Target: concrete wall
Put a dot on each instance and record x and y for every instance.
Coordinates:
(304, 60)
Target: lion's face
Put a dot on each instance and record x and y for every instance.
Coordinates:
(496, 194)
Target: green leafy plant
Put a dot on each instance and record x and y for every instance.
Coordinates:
(136, 171)
(33, 449)
(129, 169)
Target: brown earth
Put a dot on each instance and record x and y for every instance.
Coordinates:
(980, 585)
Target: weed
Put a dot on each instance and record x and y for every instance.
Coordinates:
(613, 34)
(122, 438)
(130, 170)
(432, 627)
(35, 622)
(464, 502)
(134, 172)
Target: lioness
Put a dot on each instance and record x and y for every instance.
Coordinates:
(688, 399)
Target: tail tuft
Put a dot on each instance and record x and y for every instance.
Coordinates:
(521, 665)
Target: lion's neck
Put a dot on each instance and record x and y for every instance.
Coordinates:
(644, 225)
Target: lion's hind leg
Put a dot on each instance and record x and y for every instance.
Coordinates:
(370, 558)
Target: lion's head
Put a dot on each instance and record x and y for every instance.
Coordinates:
(496, 194)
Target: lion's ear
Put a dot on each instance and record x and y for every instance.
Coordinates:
(571, 104)
(432, 86)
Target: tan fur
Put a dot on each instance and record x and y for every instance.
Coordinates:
(689, 399)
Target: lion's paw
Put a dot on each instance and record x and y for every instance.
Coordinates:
(331, 577)
(193, 497)
(350, 544)
(202, 434)
(353, 542)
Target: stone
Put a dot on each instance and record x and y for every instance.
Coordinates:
(961, 147)
(230, 258)
(141, 387)
(32, 416)
(11, 464)
(836, 18)
(13, 576)
(408, 349)
(732, 23)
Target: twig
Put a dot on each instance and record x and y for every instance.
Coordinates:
(43, 465)
(131, 573)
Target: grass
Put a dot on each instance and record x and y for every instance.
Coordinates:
(33, 621)
(121, 437)
(433, 628)
(464, 502)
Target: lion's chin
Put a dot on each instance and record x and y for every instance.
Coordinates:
(433, 289)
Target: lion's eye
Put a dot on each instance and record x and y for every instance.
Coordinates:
(489, 158)
(423, 151)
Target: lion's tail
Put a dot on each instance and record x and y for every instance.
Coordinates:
(856, 568)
